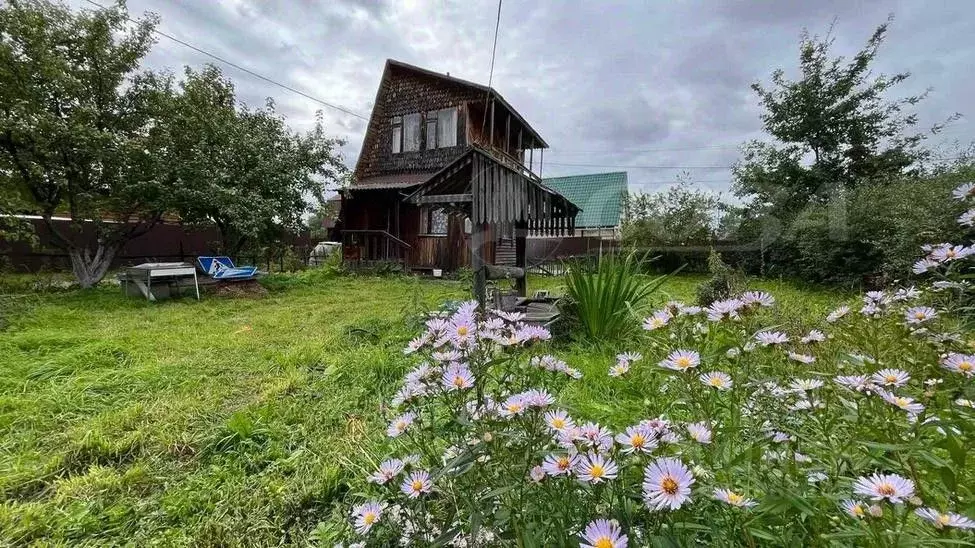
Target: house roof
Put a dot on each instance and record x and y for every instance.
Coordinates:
(481, 87)
(599, 195)
(401, 180)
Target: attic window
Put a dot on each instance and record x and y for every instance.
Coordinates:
(397, 124)
(411, 132)
(441, 128)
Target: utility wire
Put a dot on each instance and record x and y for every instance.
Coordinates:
(243, 69)
(494, 48)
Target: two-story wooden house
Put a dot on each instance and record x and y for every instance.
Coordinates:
(446, 178)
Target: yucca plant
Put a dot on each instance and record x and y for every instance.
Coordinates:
(603, 298)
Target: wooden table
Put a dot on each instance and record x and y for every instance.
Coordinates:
(144, 274)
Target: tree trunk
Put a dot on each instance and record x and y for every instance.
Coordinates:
(89, 269)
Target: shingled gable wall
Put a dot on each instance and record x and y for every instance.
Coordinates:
(405, 92)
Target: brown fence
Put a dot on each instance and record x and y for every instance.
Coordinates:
(166, 242)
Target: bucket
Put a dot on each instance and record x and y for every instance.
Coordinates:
(437, 273)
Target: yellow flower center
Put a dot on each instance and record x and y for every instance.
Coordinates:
(637, 440)
(417, 486)
(458, 381)
(369, 518)
(919, 315)
(597, 471)
(603, 542)
(683, 362)
(950, 253)
(462, 330)
(891, 379)
(514, 407)
(858, 510)
(735, 498)
(563, 463)
(886, 489)
(943, 519)
(401, 425)
(558, 423)
(965, 366)
(716, 381)
(669, 486)
(901, 402)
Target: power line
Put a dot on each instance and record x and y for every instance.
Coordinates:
(243, 69)
(494, 48)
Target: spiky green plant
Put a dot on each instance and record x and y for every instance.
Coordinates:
(604, 298)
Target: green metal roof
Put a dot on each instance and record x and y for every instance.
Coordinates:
(599, 195)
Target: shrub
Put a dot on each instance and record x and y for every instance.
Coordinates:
(601, 299)
(724, 282)
(854, 432)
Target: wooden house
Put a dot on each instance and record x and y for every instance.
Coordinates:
(447, 179)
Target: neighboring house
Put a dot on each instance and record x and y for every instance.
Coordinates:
(600, 196)
(445, 178)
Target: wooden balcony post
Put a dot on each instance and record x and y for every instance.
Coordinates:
(477, 262)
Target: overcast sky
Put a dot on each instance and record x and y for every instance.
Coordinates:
(608, 84)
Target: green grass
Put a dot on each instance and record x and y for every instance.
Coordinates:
(224, 421)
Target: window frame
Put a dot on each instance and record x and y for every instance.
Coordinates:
(396, 134)
(426, 222)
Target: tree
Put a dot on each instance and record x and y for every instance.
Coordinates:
(242, 169)
(680, 216)
(76, 127)
(833, 130)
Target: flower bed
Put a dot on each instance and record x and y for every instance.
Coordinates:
(852, 431)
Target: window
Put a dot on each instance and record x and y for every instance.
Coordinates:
(434, 222)
(397, 124)
(447, 127)
(438, 129)
(411, 132)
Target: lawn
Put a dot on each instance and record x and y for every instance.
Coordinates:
(228, 421)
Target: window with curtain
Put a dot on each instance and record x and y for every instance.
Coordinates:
(447, 127)
(411, 132)
(434, 222)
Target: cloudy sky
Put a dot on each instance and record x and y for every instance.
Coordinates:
(652, 88)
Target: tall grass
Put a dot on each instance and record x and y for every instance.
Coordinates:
(604, 299)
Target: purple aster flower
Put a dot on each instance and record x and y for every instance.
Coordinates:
(717, 379)
(689, 310)
(666, 484)
(400, 424)
(770, 338)
(964, 191)
(941, 521)
(416, 484)
(804, 385)
(537, 398)
(967, 218)
(884, 486)
(533, 333)
(924, 265)
(595, 468)
(960, 363)
(458, 377)
(919, 314)
(536, 474)
(681, 360)
(854, 508)
(558, 420)
(596, 436)
(560, 465)
(407, 393)
(835, 315)
(801, 358)
(949, 253)
(388, 470)
(907, 404)
(603, 533)
(722, 310)
(699, 432)
(446, 356)
(814, 336)
(732, 498)
(638, 439)
(659, 319)
(510, 317)
(366, 515)
(513, 406)
(890, 377)
(757, 298)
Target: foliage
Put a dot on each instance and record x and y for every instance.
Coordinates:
(724, 282)
(76, 126)
(242, 169)
(85, 134)
(682, 215)
(837, 113)
(601, 300)
(871, 230)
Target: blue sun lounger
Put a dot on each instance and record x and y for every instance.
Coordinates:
(222, 268)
